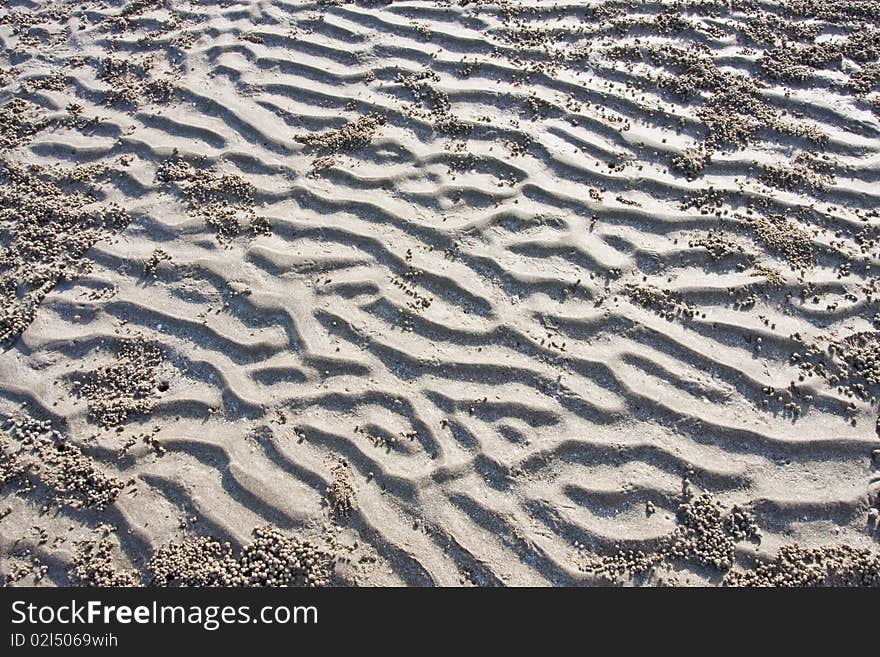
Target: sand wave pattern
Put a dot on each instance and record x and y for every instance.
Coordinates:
(493, 293)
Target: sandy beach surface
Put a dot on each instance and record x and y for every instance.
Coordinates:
(439, 293)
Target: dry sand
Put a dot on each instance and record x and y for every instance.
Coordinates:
(492, 293)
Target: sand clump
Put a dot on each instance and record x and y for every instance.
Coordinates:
(93, 565)
(717, 244)
(766, 29)
(796, 566)
(432, 104)
(195, 561)
(130, 82)
(24, 563)
(35, 457)
(850, 364)
(806, 171)
(274, 559)
(20, 120)
(271, 559)
(352, 136)
(796, 63)
(127, 387)
(222, 201)
(732, 108)
(665, 303)
(706, 535)
(771, 275)
(340, 494)
(861, 353)
(866, 80)
(833, 11)
(48, 227)
(157, 257)
(56, 81)
(783, 236)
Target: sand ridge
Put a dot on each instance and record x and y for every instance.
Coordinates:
(445, 292)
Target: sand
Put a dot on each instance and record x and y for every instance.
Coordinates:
(440, 293)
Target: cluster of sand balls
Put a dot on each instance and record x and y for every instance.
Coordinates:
(19, 121)
(124, 388)
(157, 257)
(706, 535)
(797, 566)
(340, 492)
(56, 81)
(128, 14)
(852, 363)
(805, 171)
(766, 28)
(717, 243)
(432, 104)
(74, 478)
(796, 63)
(861, 353)
(691, 161)
(195, 561)
(93, 566)
(834, 11)
(13, 468)
(732, 108)
(666, 22)
(47, 231)
(667, 304)
(866, 79)
(45, 458)
(129, 82)
(331, 143)
(784, 236)
(220, 200)
(351, 136)
(272, 559)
